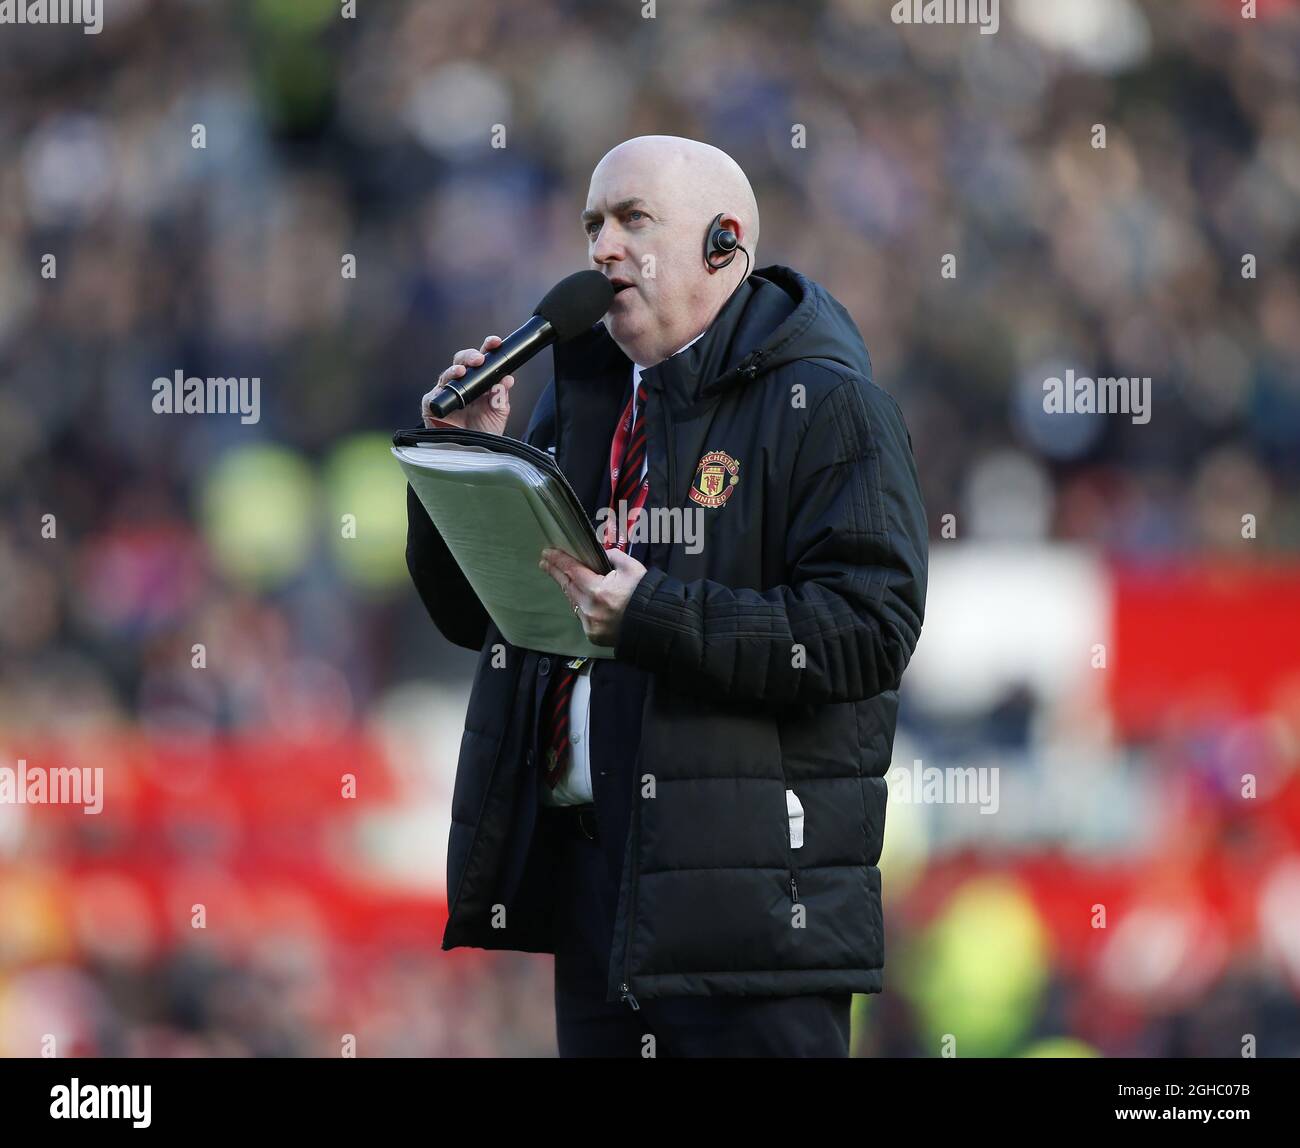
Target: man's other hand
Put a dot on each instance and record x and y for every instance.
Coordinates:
(601, 599)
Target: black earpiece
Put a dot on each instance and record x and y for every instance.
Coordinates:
(720, 241)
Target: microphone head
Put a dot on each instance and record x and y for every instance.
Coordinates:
(576, 303)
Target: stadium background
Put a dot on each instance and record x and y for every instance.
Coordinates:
(1118, 785)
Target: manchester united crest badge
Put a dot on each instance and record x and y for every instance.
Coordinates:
(716, 476)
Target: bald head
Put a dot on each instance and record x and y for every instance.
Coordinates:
(648, 210)
(687, 176)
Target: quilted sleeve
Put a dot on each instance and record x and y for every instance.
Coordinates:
(845, 625)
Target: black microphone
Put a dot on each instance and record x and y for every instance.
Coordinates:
(572, 306)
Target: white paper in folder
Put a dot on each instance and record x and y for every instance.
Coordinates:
(497, 512)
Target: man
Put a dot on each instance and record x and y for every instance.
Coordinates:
(693, 826)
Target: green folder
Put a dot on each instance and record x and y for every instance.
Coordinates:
(497, 502)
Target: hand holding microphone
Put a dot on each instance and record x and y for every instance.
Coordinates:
(488, 412)
(571, 307)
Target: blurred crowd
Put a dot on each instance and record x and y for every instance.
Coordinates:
(348, 223)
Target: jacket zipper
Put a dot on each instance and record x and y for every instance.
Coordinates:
(794, 887)
(624, 988)
(789, 844)
(670, 500)
(631, 908)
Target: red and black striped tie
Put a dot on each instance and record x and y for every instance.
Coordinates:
(623, 486)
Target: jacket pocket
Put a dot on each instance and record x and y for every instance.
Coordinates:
(794, 812)
(794, 833)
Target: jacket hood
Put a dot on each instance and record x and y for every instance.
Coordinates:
(776, 316)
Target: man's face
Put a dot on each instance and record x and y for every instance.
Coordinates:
(639, 236)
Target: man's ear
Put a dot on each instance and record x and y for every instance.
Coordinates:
(728, 223)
